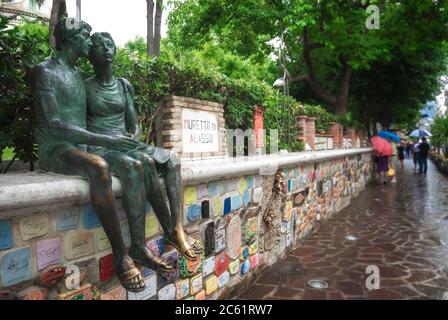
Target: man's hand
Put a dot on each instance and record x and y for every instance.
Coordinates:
(122, 144)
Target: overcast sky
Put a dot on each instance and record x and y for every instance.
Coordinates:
(124, 20)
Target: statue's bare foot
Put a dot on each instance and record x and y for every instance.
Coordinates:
(128, 274)
(189, 247)
(146, 258)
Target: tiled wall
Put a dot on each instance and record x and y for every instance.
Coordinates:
(227, 215)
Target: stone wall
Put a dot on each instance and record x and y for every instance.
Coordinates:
(36, 243)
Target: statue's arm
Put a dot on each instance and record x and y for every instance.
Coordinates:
(131, 114)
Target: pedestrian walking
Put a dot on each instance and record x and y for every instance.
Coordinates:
(400, 150)
(423, 156)
(415, 152)
(382, 166)
(393, 160)
(409, 150)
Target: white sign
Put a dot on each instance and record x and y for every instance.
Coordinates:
(199, 131)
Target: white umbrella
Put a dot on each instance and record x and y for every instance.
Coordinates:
(419, 133)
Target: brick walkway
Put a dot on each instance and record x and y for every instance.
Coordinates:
(401, 228)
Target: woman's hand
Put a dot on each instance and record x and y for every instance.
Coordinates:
(121, 143)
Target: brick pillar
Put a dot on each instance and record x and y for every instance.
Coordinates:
(301, 128)
(311, 132)
(351, 132)
(362, 137)
(337, 131)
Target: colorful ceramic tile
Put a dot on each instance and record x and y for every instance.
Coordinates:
(217, 206)
(227, 205)
(89, 217)
(182, 288)
(233, 184)
(245, 267)
(106, 267)
(51, 276)
(102, 240)
(253, 248)
(149, 292)
(287, 211)
(33, 293)
(167, 293)
(250, 181)
(16, 267)
(117, 293)
(254, 261)
(48, 252)
(190, 195)
(6, 235)
(209, 238)
(242, 185)
(236, 203)
(78, 245)
(152, 226)
(233, 237)
(194, 213)
(196, 284)
(202, 191)
(211, 285)
(221, 264)
(258, 180)
(83, 293)
(200, 296)
(246, 197)
(223, 186)
(223, 279)
(156, 246)
(188, 268)
(205, 209)
(213, 189)
(234, 267)
(244, 253)
(208, 266)
(220, 240)
(67, 219)
(257, 194)
(33, 226)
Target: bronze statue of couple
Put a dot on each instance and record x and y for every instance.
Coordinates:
(90, 129)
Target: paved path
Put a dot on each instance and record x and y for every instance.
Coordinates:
(401, 228)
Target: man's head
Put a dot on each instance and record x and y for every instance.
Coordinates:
(74, 33)
(424, 139)
(103, 49)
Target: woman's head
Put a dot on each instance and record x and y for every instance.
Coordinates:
(103, 49)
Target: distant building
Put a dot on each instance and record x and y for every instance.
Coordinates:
(18, 9)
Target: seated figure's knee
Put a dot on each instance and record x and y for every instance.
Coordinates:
(149, 161)
(135, 168)
(99, 170)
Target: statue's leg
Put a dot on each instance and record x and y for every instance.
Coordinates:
(131, 175)
(78, 162)
(171, 223)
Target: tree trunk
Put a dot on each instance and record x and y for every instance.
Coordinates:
(58, 9)
(157, 27)
(150, 27)
(339, 101)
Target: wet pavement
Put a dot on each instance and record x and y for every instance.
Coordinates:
(401, 228)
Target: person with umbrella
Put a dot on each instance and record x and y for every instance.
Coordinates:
(423, 156)
(383, 150)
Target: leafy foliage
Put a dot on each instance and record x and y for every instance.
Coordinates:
(20, 48)
(439, 130)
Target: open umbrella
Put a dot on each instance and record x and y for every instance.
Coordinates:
(389, 135)
(381, 146)
(419, 133)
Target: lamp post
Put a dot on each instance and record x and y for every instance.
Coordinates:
(78, 9)
(284, 82)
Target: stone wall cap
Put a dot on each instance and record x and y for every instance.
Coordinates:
(26, 193)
